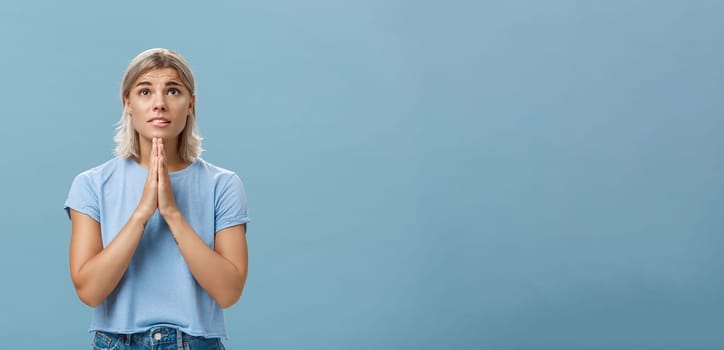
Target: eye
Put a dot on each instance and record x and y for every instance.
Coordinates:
(144, 92)
(174, 91)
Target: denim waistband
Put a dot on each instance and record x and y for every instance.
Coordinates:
(153, 336)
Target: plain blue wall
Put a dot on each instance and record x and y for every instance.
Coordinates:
(421, 175)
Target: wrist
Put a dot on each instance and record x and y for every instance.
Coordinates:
(141, 217)
(170, 213)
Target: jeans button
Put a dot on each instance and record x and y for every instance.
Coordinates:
(157, 336)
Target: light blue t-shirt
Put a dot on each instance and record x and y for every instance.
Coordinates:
(158, 287)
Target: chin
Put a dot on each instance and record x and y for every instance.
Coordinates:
(164, 134)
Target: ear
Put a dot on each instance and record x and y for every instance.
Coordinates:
(126, 105)
(192, 103)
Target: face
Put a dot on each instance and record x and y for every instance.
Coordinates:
(159, 104)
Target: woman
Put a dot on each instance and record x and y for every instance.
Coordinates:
(158, 243)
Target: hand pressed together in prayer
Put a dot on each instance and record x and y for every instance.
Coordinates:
(157, 191)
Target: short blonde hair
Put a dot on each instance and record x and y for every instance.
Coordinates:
(189, 143)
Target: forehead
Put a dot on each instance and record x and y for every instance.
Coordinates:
(159, 75)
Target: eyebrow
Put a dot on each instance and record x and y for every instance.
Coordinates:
(168, 83)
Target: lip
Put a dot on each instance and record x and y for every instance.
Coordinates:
(159, 122)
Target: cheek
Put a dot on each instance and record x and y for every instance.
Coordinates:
(136, 124)
(183, 112)
(137, 118)
(183, 121)
(134, 107)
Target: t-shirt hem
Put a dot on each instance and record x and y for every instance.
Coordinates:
(83, 209)
(226, 224)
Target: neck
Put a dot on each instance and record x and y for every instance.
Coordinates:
(170, 146)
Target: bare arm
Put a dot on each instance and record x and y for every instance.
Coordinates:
(221, 271)
(95, 270)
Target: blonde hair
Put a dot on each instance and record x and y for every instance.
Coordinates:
(189, 143)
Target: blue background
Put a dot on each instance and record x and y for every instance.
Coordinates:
(421, 175)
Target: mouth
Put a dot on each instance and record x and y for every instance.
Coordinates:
(159, 121)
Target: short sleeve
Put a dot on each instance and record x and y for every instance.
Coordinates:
(230, 204)
(82, 197)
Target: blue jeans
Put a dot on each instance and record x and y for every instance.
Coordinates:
(156, 338)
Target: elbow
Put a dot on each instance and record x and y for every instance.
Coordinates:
(84, 292)
(88, 298)
(228, 301)
(225, 304)
(90, 301)
(230, 298)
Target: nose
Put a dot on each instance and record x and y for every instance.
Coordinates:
(159, 104)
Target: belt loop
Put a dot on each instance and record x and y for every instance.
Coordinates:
(127, 339)
(179, 339)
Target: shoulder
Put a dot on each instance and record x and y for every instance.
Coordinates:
(87, 188)
(101, 173)
(226, 183)
(217, 173)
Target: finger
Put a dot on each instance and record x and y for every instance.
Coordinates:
(151, 161)
(162, 165)
(158, 149)
(155, 158)
(154, 151)
(161, 148)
